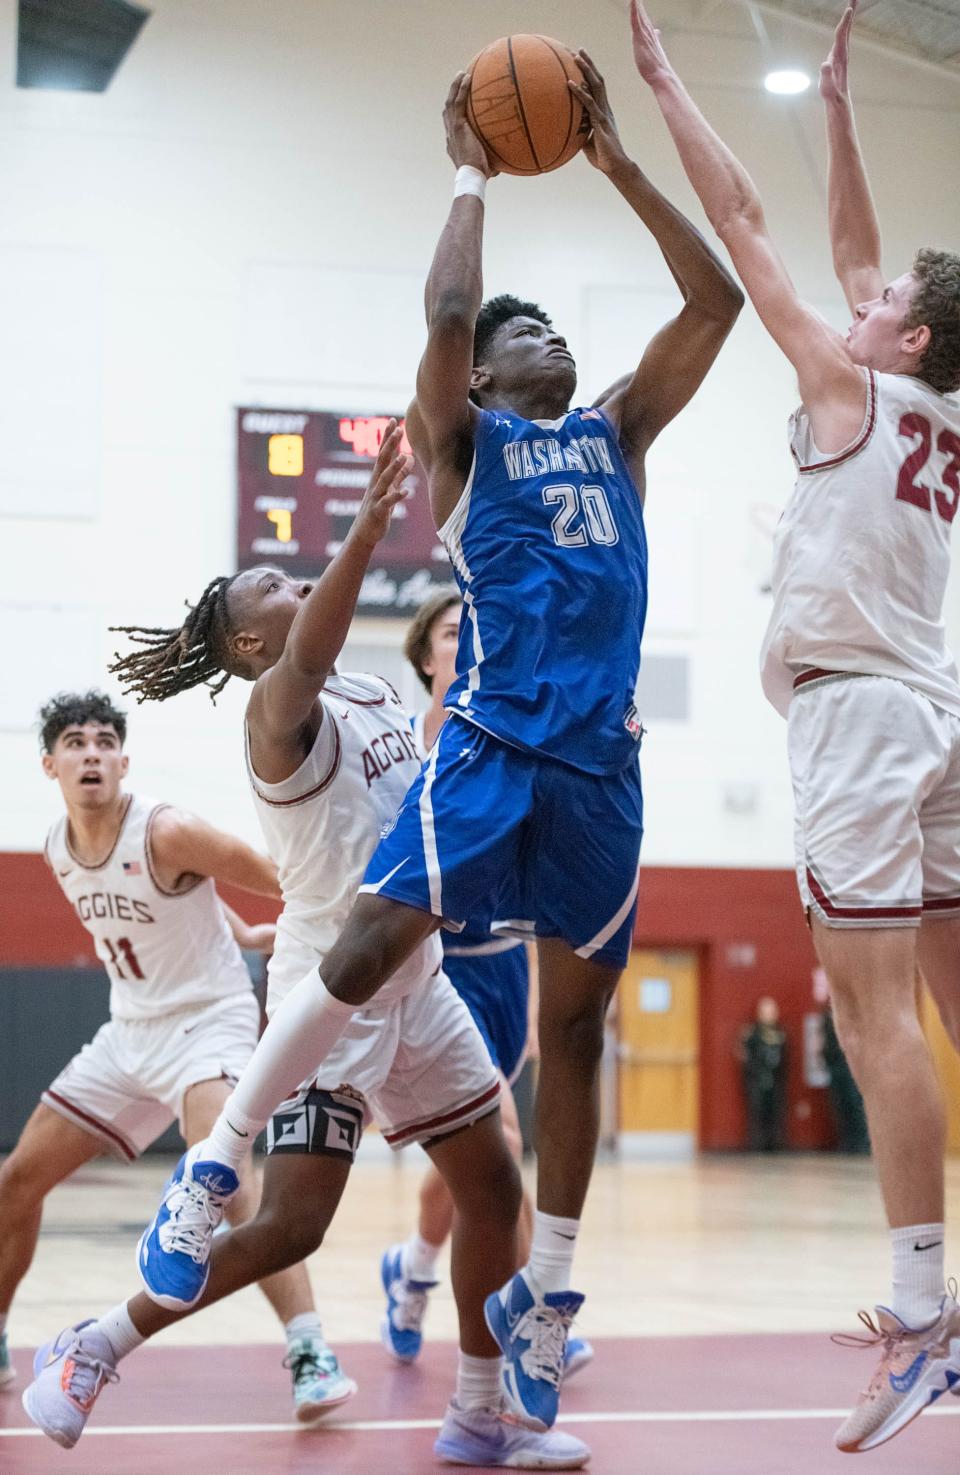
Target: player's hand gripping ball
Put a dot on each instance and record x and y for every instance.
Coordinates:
(521, 107)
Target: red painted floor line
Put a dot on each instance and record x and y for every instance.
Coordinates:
(732, 1375)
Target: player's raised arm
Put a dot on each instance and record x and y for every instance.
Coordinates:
(676, 361)
(833, 388)
(854, 227)
(184, 847)
(285, 696)
(441, 419)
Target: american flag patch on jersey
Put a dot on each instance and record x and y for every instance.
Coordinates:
(132, 868)
(633, 724)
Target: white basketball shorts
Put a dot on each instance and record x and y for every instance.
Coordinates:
(417, 1067)
(128, 1084)
(876, 781)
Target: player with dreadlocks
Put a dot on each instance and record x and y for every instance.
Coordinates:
(196, 654)
(330, 756)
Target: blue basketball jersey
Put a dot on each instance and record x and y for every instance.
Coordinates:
(549, 551)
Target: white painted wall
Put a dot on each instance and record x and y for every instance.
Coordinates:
(247, 217)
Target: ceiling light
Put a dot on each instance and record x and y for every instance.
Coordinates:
(786, 83)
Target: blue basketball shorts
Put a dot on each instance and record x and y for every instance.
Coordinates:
(493, 980)
(485, 820)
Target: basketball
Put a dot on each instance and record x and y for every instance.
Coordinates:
(521, 108)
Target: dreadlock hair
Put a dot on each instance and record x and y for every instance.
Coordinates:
(416, 646)
(936, 303)
(76, 709)
(171, 661)
(493, 314)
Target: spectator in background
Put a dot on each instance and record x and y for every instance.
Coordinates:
(763, 1056)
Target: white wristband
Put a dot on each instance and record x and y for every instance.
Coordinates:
(470, 181)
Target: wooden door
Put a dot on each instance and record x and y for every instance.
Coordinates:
(659, 1031)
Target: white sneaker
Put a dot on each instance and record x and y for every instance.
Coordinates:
(916, 1368)
(68, 1376)
(482, 1436)
(319, 1382)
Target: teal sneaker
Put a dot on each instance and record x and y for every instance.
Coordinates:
(8, 1373)
(319, 1382)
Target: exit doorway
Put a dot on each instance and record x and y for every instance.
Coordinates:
(658, 1029)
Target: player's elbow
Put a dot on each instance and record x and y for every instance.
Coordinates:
(744, 217)
(726, 301)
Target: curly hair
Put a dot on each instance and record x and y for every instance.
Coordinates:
(416, 646)
(75, 709)
(195, 653)
(936, 304)
(493, 314)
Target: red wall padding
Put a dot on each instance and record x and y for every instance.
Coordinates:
(749, 929)
(747, 926)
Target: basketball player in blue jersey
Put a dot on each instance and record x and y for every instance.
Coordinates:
(491, 975)
(534, 779)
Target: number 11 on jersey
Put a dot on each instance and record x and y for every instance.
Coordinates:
(122, 955)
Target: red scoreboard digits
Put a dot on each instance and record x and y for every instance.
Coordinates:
(364, 433)
(300, 477)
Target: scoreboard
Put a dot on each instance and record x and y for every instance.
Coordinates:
(301, 476)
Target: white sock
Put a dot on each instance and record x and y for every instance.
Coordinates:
(307, 1324)
(298, 1038)
(419, 1259)
(919, 1283)
(478, 1381)
(119, 1331)
(551, 1253)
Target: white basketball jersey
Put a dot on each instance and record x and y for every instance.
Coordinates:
(322, 824)
(164, 951)
(862, 553)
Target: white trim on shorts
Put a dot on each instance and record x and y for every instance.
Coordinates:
(611, 928)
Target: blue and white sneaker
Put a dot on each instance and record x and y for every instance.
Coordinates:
(578, 1355)
(319, 1382)
(174, 1249)
(400, 1329)
(531, 1331)
(482, 1436)
(69, 1374)
(8, 1372)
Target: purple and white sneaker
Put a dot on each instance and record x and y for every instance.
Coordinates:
(483, 1437)
(69, 1374)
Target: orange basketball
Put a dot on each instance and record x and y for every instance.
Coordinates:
(521, 108)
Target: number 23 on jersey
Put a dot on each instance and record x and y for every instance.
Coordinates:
(912, 484)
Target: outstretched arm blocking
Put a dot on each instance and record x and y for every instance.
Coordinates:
(833, 388)
(677, 360)
(854, 227)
